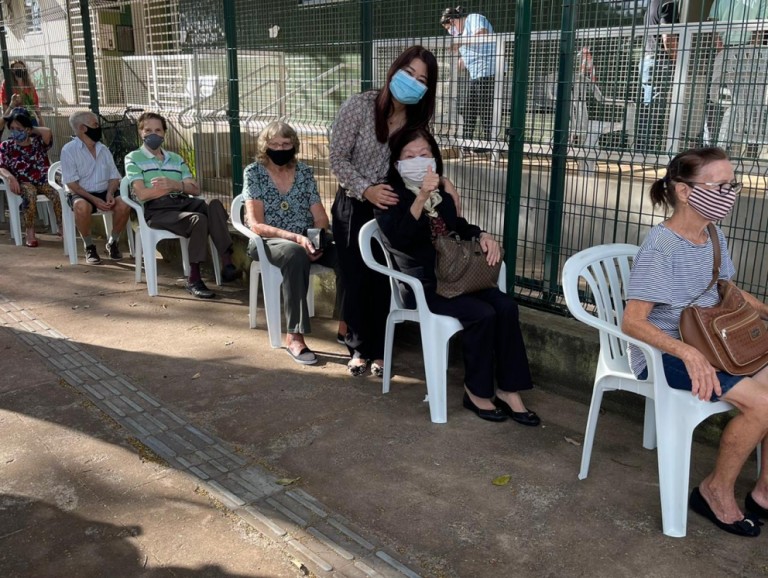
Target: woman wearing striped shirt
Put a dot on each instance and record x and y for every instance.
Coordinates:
(672, 269)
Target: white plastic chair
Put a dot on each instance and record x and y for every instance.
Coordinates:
(68, 217)
(14, 211)
(272, 279)
(436, 330)
(146, 244)
(671, 415)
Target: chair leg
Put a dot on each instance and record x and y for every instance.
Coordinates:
(389, 341)
(649, 424)
(254, 293)
(69, 234)
(589, 434)
(14, 210)
(435, 367)
(273, 310)
(185, 256)
(150, 270)
(674, 454)
(137, 257)
(311, 297)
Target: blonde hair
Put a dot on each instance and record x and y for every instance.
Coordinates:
(273, 129)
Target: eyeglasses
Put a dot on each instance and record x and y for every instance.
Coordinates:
(734, 187)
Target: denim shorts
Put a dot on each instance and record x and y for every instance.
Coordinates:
(677, 376)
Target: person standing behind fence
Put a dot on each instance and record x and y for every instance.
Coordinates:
(23, 92)
(656, 70)
(480, 62)
(163, 183)
(359, 158)
(24, 166)
(89, 171)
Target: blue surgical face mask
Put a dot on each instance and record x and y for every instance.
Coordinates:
(406, 89)
(153, 141)
(19, 135)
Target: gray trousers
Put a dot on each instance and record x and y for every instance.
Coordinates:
(294, 264)
(191, 217)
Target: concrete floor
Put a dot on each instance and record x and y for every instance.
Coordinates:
(79, 499)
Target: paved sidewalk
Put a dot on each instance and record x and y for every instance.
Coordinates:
(154, 431)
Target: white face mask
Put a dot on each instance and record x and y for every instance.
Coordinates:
(415, 169)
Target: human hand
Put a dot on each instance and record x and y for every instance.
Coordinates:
(101, 205)
(430, 183)
(491, 248)
(166, 183)
(312, 253)
(13, 184)
(381, 196)
(15, 100)
(703, 376)
(110, 201)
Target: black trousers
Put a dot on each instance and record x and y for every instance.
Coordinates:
(479, 103)
(365, 303)
(492, 340)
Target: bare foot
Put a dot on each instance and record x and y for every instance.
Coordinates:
(722, 503)
(512, 399)
(295, 343)
(480, 402)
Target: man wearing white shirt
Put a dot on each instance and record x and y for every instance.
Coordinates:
(89, 171)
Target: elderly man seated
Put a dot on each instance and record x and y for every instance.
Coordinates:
(163, 183)
(89, 171)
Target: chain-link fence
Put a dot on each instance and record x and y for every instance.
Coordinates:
(556, 150)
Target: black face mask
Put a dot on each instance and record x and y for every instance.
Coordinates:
(93, 133)
(19, 72)
(281, 157)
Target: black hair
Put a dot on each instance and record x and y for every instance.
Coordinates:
(400, 140)
(419, 114)
(450, 14)
(20, 115)
(683, 168)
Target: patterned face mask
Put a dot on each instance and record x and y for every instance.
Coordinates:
(711, 204)
(19, 135)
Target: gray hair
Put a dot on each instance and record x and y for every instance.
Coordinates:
(79, 118)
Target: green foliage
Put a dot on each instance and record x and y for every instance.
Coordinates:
(187, 152)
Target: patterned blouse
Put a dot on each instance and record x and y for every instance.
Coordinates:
(289, 211)
(357, 159)
(29, 164)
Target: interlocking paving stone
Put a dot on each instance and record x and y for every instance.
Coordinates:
(293, 517)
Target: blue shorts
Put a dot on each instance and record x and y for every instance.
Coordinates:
(677, 376)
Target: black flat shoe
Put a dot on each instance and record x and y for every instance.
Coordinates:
(745, 527)
(755, 508)
(524, 417)
(487, 414)
(199, 290)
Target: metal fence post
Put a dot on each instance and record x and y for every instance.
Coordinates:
(522, 49)
(233, 112)
(560, 149)
(366, 45)
(90, 62)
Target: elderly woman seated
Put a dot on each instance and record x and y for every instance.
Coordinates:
(24, 166)
(494, 352)
(283, 206)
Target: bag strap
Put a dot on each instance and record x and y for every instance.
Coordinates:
(715, 261)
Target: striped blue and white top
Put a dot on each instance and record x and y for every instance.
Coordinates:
(671, 272)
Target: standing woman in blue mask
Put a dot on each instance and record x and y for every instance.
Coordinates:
(360, 160)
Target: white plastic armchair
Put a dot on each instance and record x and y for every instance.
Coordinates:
(68, 217)
(14, 211)
(146, 244)
(272, 279)
(671, 415)
(436, 330)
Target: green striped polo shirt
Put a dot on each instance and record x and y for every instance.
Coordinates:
(143, 165)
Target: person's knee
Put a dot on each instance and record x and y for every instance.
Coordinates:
(82, 209)
(198, 221)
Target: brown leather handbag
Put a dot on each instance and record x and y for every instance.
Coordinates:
(731, 334)
(461, 266)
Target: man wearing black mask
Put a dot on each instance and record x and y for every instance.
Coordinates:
(89, 171)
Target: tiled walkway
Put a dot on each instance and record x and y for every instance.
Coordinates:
(324, 541)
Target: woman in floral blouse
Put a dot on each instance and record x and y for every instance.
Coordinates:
(24, 167)
(282, 204)
(360, 159)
